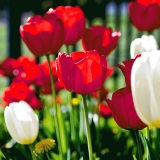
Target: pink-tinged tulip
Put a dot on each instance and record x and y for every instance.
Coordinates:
(20, 91)
(81, 72)
(145, 81)
(123, 110)
(101, 39)
(43, 35)
(74, 21)
(145, 17)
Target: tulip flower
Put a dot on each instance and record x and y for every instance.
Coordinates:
(42, 79)
(74, 22)
(145, 78)
(126, 70)
(22, 123)
(123, 110)
(104, 110)
(81, 72)
(103, 92)
(7, 67)
(143, 44)
(148, 2)
(43, 35)
(18, 91)
(144, 15)
(101, 39)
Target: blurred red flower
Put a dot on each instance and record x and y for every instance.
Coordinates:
(7, 67)
(144, 15)
(43, 35)
(104, 110)
(148, 2)
(101, 39)
(26, 70)
(20, 91)
(123, 110)
(81, 72)
(74, 21)
(43, 78)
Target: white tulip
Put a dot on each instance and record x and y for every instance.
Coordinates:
(143, 44)
(22, 122)
(145, 84)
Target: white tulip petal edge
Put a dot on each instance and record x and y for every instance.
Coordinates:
(145, 84)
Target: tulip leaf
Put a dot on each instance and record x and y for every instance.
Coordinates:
(63, 132)
(14, 153)
(152, 154)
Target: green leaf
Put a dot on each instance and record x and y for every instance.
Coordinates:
(152, 154)
(63, 131)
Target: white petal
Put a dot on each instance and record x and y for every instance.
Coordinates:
(145, 80)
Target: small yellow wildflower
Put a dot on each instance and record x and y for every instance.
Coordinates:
(44, 145)
(75, 101)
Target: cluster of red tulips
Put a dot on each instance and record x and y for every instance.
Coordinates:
(85, 72)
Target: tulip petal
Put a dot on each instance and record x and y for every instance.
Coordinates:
(145, 79)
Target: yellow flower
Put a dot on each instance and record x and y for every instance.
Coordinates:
(75, 101)
(44, 145)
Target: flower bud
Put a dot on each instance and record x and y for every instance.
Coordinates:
(21, 121)
(143, 44)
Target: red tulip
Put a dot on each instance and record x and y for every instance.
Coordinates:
(43, 78)
(81, 72)
(43, 35)
(126, 70)
(74, 21)
(20, 91)
(101, 39)
(7, 67)
(148, 2)
(103, 91)
(144, 16)
(123, 110)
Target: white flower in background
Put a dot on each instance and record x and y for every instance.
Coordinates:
(22, 122)
(143, 44)
(145, 84)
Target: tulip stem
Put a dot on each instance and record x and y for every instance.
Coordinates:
(31, 150)
(87, 128)
(98, 126)
(55, 108)
(138, 144)
(67, 49)
(148, 133)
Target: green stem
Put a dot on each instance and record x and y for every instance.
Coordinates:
(87, 128)
(67, 49)
(148, 133)
(55, 108)
(98, 123)
(139, 147)
(73, 134)
(47, 155)
(31, 150)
